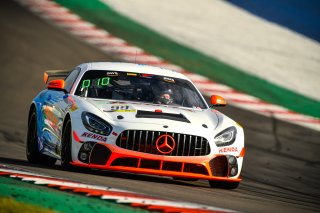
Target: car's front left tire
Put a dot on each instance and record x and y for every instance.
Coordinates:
(32, 150)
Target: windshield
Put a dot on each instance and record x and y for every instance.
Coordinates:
(139, 87)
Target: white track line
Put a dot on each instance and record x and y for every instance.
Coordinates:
(108, 43)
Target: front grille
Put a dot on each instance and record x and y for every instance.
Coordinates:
(145, 141)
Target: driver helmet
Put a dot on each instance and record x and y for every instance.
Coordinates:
(165, 97)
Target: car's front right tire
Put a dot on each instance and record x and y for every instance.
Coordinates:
(66, 146)
(32, 150)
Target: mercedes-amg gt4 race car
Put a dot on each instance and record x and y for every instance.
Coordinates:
(134, 118)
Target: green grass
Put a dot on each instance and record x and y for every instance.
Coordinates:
(8, 205)
(42, 197)
(106, 18)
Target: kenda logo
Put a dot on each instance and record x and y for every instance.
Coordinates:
(94, 136)
(228, 149)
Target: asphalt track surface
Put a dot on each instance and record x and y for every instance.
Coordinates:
(282, 164)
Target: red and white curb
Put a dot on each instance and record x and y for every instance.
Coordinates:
(107, 193)
(110, 44)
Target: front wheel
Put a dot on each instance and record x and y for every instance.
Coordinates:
(66, 146)
(223, 184)
(32, 151)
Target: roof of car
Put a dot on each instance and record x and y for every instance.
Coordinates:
(130, 67)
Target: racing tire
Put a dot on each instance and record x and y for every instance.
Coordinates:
(32, 150)
(66, 146)
(223, 184)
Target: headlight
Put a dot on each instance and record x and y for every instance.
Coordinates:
(95, 124)
(226, 137)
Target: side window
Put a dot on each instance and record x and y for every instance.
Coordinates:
(71, 78)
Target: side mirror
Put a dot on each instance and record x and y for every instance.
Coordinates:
(56, 84)
(218, 101)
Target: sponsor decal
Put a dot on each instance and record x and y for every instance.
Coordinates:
(94, 136)
(117, 102)
(71, 104)
(73, 107)
(120, 108)
(126, 110)
(167, 79)
(47, 111)
(146, 75)
(112, 74)
(114, 133)
(228, 149)
(131, 74)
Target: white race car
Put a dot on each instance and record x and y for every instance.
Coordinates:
(134, 118)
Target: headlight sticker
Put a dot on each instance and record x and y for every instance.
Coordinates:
(95, 124)
(226, 137)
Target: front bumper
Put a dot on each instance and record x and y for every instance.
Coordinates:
(111, 157)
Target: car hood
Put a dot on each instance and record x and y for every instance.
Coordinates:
(133, 112)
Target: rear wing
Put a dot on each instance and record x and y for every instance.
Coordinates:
(54, 73)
